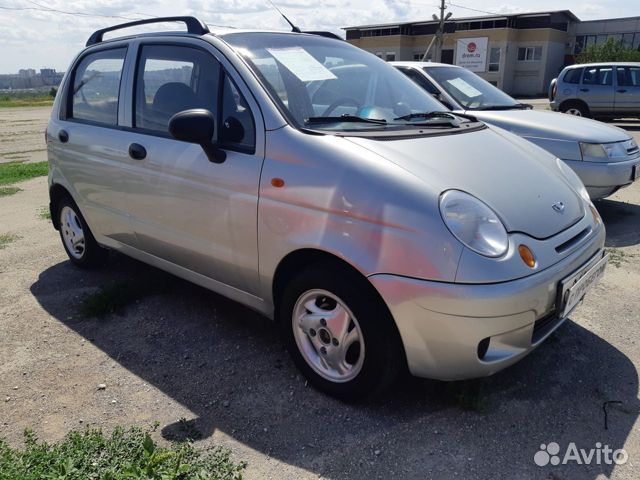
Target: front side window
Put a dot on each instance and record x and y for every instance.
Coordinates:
(96, 87)
(317, 82)
(598, 76)
(172, 79)
(470, 90)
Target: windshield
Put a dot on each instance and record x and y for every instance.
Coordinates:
(327, 84)
(469, 90)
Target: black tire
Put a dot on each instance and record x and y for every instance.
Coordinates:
(580, 109)
(384, 355)
(92, 255)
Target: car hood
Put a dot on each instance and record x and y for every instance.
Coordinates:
(552, 125)
(518, 180)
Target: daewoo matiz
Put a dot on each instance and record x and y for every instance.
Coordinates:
(379, 230)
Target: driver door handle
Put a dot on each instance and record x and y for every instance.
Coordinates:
(137, 151)
(621, 90)
(584, 89)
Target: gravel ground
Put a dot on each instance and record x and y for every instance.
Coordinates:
(207, 368)
(22, 134)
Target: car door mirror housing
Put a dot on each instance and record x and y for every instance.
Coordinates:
(197, 125)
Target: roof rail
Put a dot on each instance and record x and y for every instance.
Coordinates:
(325, 34)
(194, 26)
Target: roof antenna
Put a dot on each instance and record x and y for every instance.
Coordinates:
(293, 27)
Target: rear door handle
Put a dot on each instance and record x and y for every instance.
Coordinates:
(621, 90)
(137, 151)
(584, 89)
(63, 136)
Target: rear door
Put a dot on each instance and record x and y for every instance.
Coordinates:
(89, 145)
(627, 93)
(185, 209)
(597, 88)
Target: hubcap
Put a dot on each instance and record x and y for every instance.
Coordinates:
(574, 111)
(328, 336)
(72, 232)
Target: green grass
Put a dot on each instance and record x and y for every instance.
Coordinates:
(6, 191)
(6, 239)
(124, 455)
(13, 172)
(26, 99)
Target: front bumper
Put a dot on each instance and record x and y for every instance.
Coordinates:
(443, 325)
(603, 179)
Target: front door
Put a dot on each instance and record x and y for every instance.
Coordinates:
(628, 90)
(185, 209)
(597, 89)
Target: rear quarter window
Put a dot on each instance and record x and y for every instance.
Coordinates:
(573, 75)
(96, 87)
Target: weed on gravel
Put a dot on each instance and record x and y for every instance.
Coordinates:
(6, 191)
(113, 299)
(617, 257)
(44, 213)
(6, 239)
(129, 454)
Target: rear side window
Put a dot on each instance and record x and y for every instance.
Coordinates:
(96, 87)
(628, 76)
(573, 75)
(598, 76)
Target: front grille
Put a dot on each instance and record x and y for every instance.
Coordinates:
(573, 241)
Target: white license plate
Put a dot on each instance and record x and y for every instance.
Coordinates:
(575, 287)
(636, 172)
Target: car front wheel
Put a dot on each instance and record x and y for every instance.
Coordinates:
(340, 333)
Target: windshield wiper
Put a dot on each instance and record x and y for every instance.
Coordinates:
(515, 106)
(345, 118)
(426, 115)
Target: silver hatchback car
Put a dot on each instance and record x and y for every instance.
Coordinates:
(380, 231)
(606, 158)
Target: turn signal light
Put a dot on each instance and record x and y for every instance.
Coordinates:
(596, 215)
(527, 256)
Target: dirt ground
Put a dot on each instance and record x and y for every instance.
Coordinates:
(207, 368)
(22, 134)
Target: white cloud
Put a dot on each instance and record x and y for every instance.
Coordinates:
(37, 39)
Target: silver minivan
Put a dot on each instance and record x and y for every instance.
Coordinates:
(606, 158)
(600, 90)
(316, 184)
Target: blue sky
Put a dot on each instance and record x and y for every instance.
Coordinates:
(33, 38)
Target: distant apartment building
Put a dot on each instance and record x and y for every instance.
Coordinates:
(26, 73)
(519, 53)
(28, 78)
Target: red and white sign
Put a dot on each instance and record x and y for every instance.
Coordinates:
(471, 53)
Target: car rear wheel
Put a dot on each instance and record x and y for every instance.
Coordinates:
(576, 109)
(340, 333)
(77, 239)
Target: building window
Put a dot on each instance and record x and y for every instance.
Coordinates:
(579, 45)
(627, 40)
(379, 55)
(390, 56)
(529, 54)
(494, 60)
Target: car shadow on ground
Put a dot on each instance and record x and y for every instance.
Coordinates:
(226, 364)
(622, 220)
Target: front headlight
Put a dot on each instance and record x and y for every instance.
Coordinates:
(473, 223)
(573, 179)
(603, 152)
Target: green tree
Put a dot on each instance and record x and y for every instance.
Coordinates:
(610, 51)
(53, 91)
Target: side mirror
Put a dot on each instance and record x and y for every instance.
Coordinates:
(232, 130)
(197, 125)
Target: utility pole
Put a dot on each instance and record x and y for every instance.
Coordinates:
(439, 37)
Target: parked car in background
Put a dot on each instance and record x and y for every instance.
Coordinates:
(313, 182)
(605, 157)
(599, 90)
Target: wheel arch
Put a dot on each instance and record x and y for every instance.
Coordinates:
(298, 260)
(56, 193)
(575, 101)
